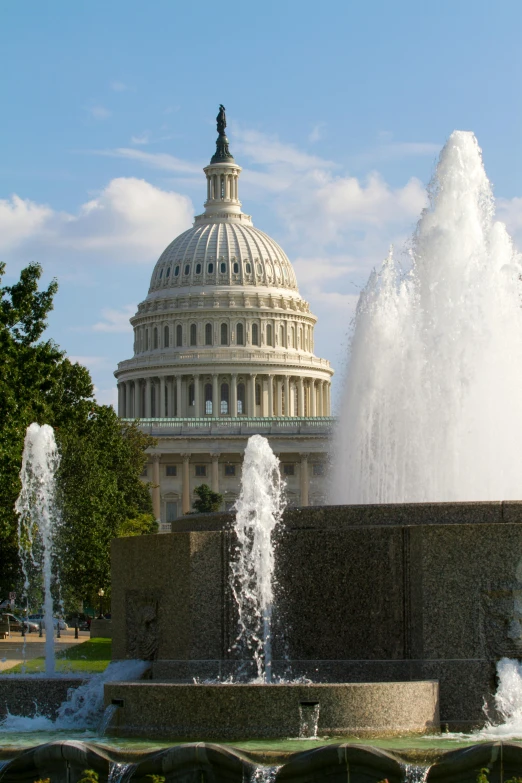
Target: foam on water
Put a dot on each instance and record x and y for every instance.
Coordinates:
(259, 509)
(83, 708)
(431, 408)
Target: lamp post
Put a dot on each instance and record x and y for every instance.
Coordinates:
(101, 593)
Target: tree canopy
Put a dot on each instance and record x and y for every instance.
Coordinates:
(99, 483)
(207, 500)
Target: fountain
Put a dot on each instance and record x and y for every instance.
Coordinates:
(380, 600)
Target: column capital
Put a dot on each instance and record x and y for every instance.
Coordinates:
(215, 457)
(156, 456)
(185, 457)
(304, 457)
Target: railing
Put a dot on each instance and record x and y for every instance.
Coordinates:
(273, 357)
(243, 425)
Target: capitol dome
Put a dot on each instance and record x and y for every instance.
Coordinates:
(223, 331)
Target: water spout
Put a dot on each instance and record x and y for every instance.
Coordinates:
(38, 519)
(431, 408)
(259, 509)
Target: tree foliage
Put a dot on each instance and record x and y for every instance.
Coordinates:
(207, 499)
(102, 459)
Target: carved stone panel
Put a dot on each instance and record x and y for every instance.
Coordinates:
(142, 622)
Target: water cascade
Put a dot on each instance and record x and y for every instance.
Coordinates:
(38, 519)
(259, 510)
(431, 408)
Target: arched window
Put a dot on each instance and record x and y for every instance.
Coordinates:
(198, 269)
(222, 189)
(208, 399)
(223, 267)
(176, 271)
(301, 344)
(281, 336)
(208, 334)
(224, 398)
(193, 334)
(236, 268)
(224, 334)
(210, 268)
(240, 398)
(292, 337)
(187, 269)
(248, 269)
(168, 272)
(269, 334)
(179, 335)
(240, 335)
(255, 334)
(258, 394)
(166, 338)
(192, 398)
(155, 337)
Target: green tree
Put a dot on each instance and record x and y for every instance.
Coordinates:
(207, 500)
(102, 459)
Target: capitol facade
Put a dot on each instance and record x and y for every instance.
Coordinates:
(224, 349)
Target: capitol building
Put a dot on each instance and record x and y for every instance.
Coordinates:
(224, 349)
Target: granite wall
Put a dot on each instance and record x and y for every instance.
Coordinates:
(365, 594)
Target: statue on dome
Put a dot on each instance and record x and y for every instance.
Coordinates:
(221, 120)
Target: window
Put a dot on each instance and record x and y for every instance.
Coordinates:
(255, 334)
(224, 334)
(172, 510)
(236, 268)
(259, 269)
(179, 335)
(281, 336)
(208, 334)
(241, 398)
(230, 470)
(155, 337)
(292, 337)
(208, 399)
(248, 269)
(223, 267)
(161, 274)
(193, 334)
(198, 269)
(269, 335)
(176, 271)
(187, 269)
(210, 268)
(318, 469)
(191, 400)
(171, 470)
(168, 272)
(258, 394)
(166, 338)
(147, 339)
(289, 469)
(224, 398)
(240, 335)
(201, 471)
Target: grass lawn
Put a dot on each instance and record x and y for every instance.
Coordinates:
(89, 657)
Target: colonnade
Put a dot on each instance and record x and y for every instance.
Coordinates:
(216, 395)
(186, 499)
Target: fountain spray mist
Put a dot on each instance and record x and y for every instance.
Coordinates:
(38, 519)
(431, 409)
(259, 510)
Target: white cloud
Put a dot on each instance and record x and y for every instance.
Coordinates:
(317, 132)
(143, 138)
(99, 112)
(119, 86)
(156, 160)
(20, 219)
(129, 220)
(91, 362)
(268, 150)
(115, 320)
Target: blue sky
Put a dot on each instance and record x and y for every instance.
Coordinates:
(336, 111)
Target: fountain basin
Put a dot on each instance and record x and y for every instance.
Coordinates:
(27, 695)
(237, 711)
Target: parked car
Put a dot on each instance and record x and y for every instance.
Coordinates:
(16, 623)
(57, 622)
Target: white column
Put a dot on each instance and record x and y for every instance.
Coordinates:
(147, 398)
(301, 399)
(279, 397)
(121, 400)
(156, 496)
(329, 397)
(185, 484)
(325, 399)
(304, 480)
(170, 404)
(216, 402)
(178, 397)
(270, 395)
(197, 401)
(137, 399)
(313, 399)
(252, 411)
(161, 397)
(214, 476)
(287, 396)
(233, 397)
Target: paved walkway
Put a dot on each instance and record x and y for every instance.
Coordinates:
(11, 649)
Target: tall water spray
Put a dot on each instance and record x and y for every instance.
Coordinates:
(38, 518)
(432, 404)
(259, 510)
